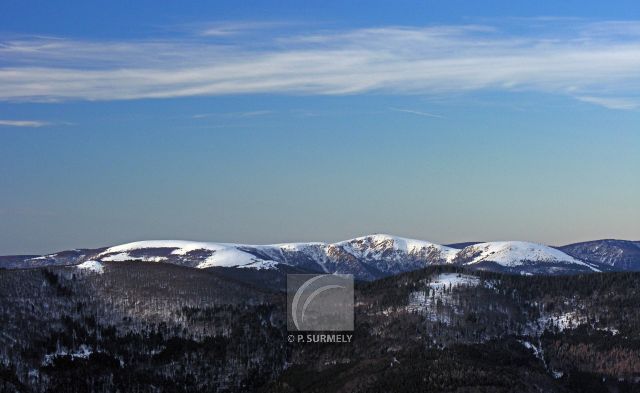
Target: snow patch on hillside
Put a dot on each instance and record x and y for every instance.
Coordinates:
(125, 256)
(538, 352)
(93, 266)
(81, 353)
(261, 265)
(438, 289)
(297, 247)
(228, 257)
(451, 280)
(564, 321)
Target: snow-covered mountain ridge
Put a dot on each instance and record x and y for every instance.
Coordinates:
(367, 257)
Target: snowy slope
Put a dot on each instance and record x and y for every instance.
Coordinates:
(381, 245)
(512, 254)
(92, 266)
(374, 256)
(194, 254)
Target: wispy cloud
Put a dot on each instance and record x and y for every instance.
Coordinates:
(225, 29)
(584, 61)
(23, 123)
(233, 114)
(611, 102)
(417, 113)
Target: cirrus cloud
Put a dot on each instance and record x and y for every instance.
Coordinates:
(583, 62)
(23, 123)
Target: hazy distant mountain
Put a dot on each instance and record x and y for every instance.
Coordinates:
(368, 257)
(62, 258)
(610, 253)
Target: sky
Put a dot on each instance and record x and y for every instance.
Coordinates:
(278, 121)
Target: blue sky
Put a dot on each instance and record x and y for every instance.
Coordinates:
(266, 121)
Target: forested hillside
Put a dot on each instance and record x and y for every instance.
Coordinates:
(149, 327)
